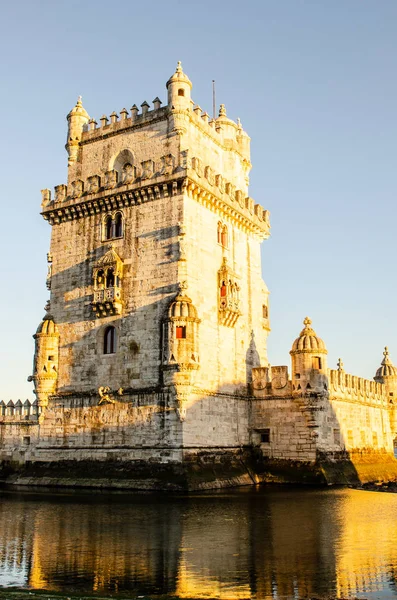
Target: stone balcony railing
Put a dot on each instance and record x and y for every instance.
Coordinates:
(107, 301)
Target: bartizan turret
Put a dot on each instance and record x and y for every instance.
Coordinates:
(78, 118)
(45, 365)
(180, 348)
(387, 374)
(309, 361)
(179, 87)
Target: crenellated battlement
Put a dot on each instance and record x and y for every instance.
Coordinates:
(351, 387)
(16, 410)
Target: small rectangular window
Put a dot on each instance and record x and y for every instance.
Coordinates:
(316, 362)
(337, 437)
(180, 332)
(26, 440)
(297, 375)
(51, 357)
(265, 436)
(264, 311)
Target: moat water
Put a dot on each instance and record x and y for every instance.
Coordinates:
(260, 543)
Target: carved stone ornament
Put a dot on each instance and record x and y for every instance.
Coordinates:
(147, 169)
(111, 178)
(259, 378)
(105, 397)
(77, 188)
(279, 377)
(60, 193)
(209, 175)
(220, 183)
(167, 167)
(128, 174)
(45, 197)
(94, 183)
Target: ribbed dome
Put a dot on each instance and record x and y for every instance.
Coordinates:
(79, 109)
(387, 369)
(47, 326)
(308, 341)
(110, 258)
(179, 76)
(182, 306)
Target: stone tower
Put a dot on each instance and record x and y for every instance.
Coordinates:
(155, 267)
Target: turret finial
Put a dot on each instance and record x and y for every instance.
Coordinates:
(340, 365)
(222, 110)
(179, 67)
(307, 322)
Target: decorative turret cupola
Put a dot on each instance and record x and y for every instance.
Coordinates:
(387, 374)
(181, 334)
(309, 361)
(77, 119)
(179, 87)
(108, 273)
(45, 364)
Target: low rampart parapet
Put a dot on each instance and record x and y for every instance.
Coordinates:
(16, 410)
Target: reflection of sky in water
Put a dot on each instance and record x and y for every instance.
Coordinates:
(262, 543)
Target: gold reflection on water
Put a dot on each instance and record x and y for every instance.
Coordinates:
(265, 544)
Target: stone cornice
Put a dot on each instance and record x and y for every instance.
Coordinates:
(249, 217)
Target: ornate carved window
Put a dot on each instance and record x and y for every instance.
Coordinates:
(112, 226)
(228, 295)
(180, 334)
(110, 340)
(108, 273)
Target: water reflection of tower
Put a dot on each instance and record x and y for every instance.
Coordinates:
(16, 541)
(108, 546)
(293, 545)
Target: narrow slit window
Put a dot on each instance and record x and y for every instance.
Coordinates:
(118, 225)
(180, 332)
(316, 362)
(108, 228)
(109, 340)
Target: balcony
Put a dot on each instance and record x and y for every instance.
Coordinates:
(107, 301)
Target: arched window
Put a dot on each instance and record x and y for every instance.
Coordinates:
(219, 233)
(109, 340)
(100, 280)
(224, 237)
(118, 225)
(108, 228)
(110, 278)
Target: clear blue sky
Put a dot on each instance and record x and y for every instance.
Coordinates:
(314, 83)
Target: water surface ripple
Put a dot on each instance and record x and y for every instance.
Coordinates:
(260, 543)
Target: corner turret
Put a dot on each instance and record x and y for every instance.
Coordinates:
(77, 119)
(179, 87)
(309, 361)
(45, 365)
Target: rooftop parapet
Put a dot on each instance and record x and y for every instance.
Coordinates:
(16, 410)
(356, 388)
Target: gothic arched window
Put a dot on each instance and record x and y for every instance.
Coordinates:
(108, 228)
(110, 278)
(224, 237)
(109, 340)
(118, 225)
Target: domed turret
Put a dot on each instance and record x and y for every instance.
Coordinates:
(179, 87)
(77, 118)
(387, 369)
(183, 307)
(180, 335)
(309, 362)
(308, 341)
(45, 365)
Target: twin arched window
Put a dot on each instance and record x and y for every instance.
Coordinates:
(110, 340)
(113, 226)
(223, 238)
